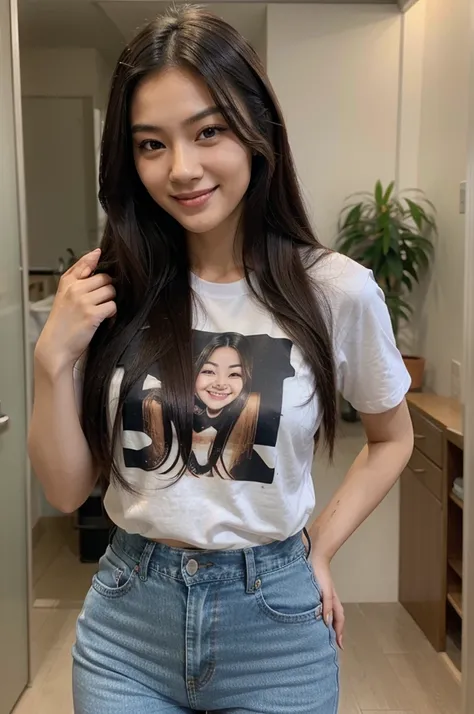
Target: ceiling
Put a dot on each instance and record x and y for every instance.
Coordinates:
(68, 23)
(106, 25)
(247, 17)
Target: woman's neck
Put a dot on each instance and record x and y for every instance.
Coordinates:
(215, 256)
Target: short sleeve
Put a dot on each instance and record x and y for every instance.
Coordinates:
(371, 373)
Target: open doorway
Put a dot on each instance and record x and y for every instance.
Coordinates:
(66, 68)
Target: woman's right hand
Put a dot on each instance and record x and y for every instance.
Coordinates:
(82, 302)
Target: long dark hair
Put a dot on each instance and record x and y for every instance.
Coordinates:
(144, 248)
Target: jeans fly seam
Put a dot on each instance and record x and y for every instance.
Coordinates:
(211, 668)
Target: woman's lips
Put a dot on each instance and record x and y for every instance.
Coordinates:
(198, 200)
(218, 395)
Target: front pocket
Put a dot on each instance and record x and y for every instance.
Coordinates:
(115, 576)
(289, 594)
(314, 578)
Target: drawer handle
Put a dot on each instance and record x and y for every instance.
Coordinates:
(419, 471)
(420, 436)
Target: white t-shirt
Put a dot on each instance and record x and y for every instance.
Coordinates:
(248, 481)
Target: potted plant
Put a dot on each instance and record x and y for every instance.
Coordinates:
(391, 234)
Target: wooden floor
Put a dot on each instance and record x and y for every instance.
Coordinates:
(387, 666)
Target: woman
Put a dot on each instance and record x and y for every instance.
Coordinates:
(225, 413)
(207, 597)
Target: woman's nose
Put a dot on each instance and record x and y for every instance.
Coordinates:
(185, 166)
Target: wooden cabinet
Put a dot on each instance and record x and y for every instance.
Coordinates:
(430, 535)
(422, 557)
(428, 436)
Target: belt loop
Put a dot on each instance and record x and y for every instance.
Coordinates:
(251, 569)
(308, 553)
(145, 560)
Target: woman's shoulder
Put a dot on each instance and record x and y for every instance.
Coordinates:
(344, 281)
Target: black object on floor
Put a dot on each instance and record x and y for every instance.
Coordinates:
(94, 528)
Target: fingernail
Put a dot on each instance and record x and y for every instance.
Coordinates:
(97, 250)
(329, 619)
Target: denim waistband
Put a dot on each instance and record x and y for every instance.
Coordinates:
(199, 566)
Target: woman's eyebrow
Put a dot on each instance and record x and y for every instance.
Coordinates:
(143, 128)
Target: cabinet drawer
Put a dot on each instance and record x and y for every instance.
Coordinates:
(427, 472)
(428, 437)
(422, 568)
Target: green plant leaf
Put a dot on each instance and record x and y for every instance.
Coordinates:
(378, 193)
(409, 267)
(388, 192)
(404, 305)
(415, 213)
(395, 266)
(390, 235)
(422, 243)
(422, 258)
(406, 280)
(386, 236)
(353, 215)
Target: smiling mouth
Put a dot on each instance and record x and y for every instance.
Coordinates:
(218, 395)
(197, 198)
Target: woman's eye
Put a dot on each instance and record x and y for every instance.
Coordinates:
(150, 145)
(212, 131)
(235, 375)
(207, 372)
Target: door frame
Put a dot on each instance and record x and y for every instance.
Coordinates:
(23, 267)
(468, 379)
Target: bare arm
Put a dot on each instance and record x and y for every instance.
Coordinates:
(371, 476)
(57, 447)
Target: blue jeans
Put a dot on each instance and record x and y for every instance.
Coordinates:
(169, 630)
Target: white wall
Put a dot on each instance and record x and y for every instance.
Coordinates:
(335, 69)
(260, 44)
(368, 93)
(443, 42)
(60, 177)
(64, 72)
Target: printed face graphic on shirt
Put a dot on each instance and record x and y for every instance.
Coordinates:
(237, 409)
(219, 381)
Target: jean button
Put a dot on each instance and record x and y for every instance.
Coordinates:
(192, 567)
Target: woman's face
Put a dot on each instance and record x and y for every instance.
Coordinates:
(186, 155)
(220, 380)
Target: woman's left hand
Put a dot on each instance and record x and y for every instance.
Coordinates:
(332, 608)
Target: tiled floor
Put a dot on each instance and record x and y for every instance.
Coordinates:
(59, 578)
(388, 666)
